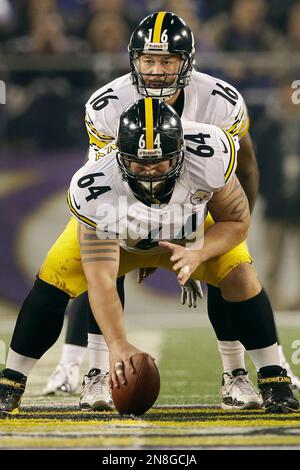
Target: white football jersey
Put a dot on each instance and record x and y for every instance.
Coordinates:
(207, 100)
(100, 198)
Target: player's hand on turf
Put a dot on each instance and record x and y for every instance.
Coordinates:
(120, 354)
(183, 257)
(191, 291)
(143, 273)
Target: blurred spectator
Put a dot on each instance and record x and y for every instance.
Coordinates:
(108, 33)
(293, 29)
(28, 10)
(247, 28)
(45, 105)
(278, 12)
(75, 14)
(112, 6)
(136, 10)
(278, 145)
(46, 36)
(188, 11)
(7, 20)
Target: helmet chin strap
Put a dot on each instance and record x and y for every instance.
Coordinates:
(152, 189)
(146, 184)
(156, 93)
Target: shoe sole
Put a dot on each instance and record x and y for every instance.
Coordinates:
(280, 409)
(248, 406)
(97, 406)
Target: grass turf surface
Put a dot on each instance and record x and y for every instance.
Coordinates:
(190, 371)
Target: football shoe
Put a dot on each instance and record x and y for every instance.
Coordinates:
(11, 392)
(238, 392)
(65, 378)
(275, 388)
(96, 393)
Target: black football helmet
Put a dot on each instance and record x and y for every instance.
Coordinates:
(150, 132)
(162, 33)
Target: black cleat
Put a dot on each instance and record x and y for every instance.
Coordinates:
(275, 387)
(11, 391)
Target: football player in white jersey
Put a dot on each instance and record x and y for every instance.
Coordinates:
(150, 197)
(163, 68)
(162, 54)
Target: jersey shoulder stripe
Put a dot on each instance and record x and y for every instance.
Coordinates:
(95, 137)
(233, 158)
(78, 216)
(240, 126)
(96, 143)
(233, 129)
(244, 128)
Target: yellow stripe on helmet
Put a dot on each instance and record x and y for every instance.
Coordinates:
(157, 26)
(149, 123)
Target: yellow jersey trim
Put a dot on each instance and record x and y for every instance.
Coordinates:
(94, 141)
(244, 129)
(92, 130)
(232, 160)
(79, 216)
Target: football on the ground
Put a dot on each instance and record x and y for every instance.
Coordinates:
(141, 389)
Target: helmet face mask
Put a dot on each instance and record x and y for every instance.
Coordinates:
(147, 187)
(161, 33)
(150, 153)
(159, 85)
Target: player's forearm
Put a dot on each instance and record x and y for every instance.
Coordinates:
(100, 262)
(107, 310)
(249, 181)
(247, 169)
(222, 237)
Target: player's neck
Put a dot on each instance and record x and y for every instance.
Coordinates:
(173, 98)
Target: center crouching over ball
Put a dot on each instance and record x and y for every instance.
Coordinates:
(141, 390)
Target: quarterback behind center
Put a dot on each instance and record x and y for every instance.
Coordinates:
(161, 52)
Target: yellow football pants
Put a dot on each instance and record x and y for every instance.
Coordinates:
(62, 267)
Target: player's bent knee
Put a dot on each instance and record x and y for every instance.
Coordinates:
(240, 284)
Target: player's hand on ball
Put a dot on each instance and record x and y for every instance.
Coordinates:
(141, 389)
(120, 354)
(186, 261)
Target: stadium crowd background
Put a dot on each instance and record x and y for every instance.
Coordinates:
(55, 53)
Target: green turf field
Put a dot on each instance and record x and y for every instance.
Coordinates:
(186, 415)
